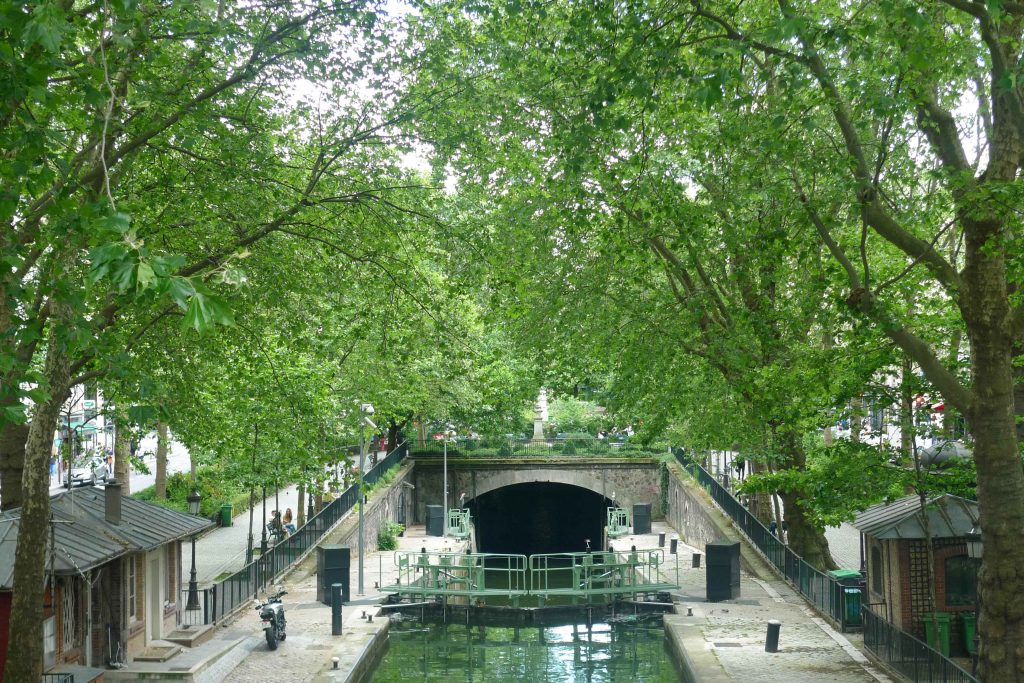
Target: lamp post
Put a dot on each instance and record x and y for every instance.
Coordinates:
(444, 489)
(193, 590)
(263, 526)
(365, 410)
(974, 551)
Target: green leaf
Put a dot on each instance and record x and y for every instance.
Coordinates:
(144, 275)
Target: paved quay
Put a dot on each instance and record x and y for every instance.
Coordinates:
(724, 641)
(307, 652)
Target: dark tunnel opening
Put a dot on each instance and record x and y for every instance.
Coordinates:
(536, 518)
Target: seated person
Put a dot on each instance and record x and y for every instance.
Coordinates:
(287, 521)
(275, 526)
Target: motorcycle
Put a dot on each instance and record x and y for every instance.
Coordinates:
(272, 615)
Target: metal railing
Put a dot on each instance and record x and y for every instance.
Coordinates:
(591, 577)
(908, 655)
(512, 448)
(823, 591)
(58, 678)
(459, 521)
(224, 596)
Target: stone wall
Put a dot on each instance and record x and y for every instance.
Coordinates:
(625, 481)
(694, 515)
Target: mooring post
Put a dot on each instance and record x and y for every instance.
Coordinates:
(771, 641)
(335, 609)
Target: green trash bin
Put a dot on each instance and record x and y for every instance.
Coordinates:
(225, 514)
(851, 605)
(970, 621)
(942, 619)
(847, 595)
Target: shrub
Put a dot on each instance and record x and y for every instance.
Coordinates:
(505, 449)
(569, 448)
(387, 536)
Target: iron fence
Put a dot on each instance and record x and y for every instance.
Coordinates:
(58, 678)
(908, 655)
(228, 594)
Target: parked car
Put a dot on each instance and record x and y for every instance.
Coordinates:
(89, 471)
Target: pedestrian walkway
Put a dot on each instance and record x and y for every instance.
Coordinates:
(222, 550)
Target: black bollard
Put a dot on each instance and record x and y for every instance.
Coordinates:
(696, 560)
(335, 609)
(771, 641)
(673, 546)
(661, 540)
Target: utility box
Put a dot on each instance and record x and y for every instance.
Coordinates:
(642, 518)
(333, 565)
(723, 570)
(435, 520)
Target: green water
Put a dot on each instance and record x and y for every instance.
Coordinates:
(535, 654)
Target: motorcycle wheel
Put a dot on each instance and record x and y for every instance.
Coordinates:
(282, 635)
(271, 639)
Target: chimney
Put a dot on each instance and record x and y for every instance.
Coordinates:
(112, 504)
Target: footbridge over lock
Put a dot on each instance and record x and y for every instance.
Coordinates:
(530, 505)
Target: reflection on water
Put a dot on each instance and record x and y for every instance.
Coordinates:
(534, 654)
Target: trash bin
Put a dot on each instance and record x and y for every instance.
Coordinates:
(851, 606)
(225, 514)
(847, 595)
(942, 619)
(970, 621)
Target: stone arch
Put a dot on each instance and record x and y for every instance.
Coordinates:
(490, 481)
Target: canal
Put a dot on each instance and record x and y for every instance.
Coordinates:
(603, 653)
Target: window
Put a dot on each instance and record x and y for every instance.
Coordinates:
(876, 569)
(130, 570)
(961, 581)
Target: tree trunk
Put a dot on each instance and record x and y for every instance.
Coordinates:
(856, 418)
(12, 461)
(906, 411)
(300, 510)
(804, 537)
(806, 540)
(25, 647)
(122, 459)
(161, 459)
(991, 417)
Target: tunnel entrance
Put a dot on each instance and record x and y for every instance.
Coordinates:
(536, 518)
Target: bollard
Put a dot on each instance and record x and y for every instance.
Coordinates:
(771, 641)
(661, 540)
(696, 560)
(334, 662)
(335, 609)
(673, 546)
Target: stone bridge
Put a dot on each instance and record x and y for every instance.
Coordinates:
(624, 481)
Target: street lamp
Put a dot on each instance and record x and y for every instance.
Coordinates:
(366, 411)
(974, 551)
(193, 590)
(263, 536)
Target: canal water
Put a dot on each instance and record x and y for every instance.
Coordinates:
(602, 653)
